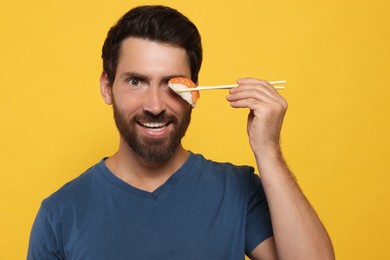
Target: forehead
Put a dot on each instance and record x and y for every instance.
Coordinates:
(152, 57)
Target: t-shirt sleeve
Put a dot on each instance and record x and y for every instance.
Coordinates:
(42, 244)
(258, 221)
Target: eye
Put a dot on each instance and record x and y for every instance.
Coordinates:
(134, 82)
(167, 89)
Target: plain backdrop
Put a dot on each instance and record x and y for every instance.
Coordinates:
(335, 56)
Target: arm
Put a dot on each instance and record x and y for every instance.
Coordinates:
(298, 232)
(42, 244)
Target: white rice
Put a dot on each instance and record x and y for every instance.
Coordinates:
(187, 96)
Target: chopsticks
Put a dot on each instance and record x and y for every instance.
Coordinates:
(228, 86)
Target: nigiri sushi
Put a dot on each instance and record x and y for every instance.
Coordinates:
(179, 83)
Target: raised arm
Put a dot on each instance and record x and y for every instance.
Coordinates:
(298, 232)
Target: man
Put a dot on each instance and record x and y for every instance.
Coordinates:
(155, 200)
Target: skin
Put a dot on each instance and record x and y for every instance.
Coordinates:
(140, 84)
(298, 233)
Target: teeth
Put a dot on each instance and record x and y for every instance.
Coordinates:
(154, 125)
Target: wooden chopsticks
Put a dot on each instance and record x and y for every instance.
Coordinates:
(228, 86)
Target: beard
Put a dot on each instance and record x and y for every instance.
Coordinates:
(152, 150)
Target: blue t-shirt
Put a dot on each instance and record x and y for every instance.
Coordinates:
(205, 210)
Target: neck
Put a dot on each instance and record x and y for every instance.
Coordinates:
(144, 175)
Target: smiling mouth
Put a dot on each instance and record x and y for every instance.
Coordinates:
(154, 126)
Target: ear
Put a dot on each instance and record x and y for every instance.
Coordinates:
(106, 88)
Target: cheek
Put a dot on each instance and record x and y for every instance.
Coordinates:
(179, 106)
(175, 101)
(171, 94)
(127, 102)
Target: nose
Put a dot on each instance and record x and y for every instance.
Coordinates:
(154, 101)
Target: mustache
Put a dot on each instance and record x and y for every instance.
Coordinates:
(147, 116)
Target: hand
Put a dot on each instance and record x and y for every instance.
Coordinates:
(267, 110)
(298, 232)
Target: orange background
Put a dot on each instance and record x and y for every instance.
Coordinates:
(335, 56)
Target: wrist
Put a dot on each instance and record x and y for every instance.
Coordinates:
(271, 161)
(271, 153)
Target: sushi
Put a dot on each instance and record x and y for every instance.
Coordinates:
(180, 83)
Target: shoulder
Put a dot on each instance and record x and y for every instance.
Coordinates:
(223, 167)
(73, 189)
(227, 171)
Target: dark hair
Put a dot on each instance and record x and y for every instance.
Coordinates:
(156, 23)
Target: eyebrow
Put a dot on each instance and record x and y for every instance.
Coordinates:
(147, 77)
(174, 76)
(126, 75)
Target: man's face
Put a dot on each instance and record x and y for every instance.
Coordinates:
(150, 117)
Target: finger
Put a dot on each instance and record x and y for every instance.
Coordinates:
(259, 92)
(255, 104)
(251, 93)
(256, 85)
(253, 81)
(249, 80)
(255, 99)
(252, 104)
